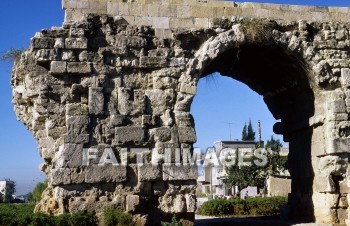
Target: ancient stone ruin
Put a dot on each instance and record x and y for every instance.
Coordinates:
(120, 75)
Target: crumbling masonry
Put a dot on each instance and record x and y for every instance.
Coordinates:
(122, 74)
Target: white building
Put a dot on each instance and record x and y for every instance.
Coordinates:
(213, 174)
(7, 190)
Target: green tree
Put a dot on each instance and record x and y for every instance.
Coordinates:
(11, 55)
(253, 175)
(38, 190)
(275, 163)
(244, 132)
(251, 133)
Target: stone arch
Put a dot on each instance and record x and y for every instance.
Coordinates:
(284, 67)
(102, 83)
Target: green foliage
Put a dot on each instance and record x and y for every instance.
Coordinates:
(174, 222)
(38, 190)
(244, 132)
(268, 206)
(22, 215)
(248, 132)
(202, 195)
(12, 54)
(116, 217)
(275, 163)
(83, 219)
(254, 175)
(251, 133)
(244, 175)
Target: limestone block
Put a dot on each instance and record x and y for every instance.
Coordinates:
(124, 100)
(153, 62)
(323, 183)
(330, 164)
(187, 134)
(164, 82)
(325, 215)
(77, 109)
(155, 102)
(345, 77)
(183, 102)
(107, 173)
(79, 120)
(149, 172)
(342, 215)
(79, 68)
(76, 43)
(58, 67)
(129, 134)
(96, 100)
(60, 176)
(132, 202)
(340, 145)
(117, 120)
(179, 172)
(43, 43)
(77, 175)
(325, 200)
(186, 88)
(336, 106)
(59, 43)
(68, 55)
(179, 204)
(161, 134)
(69, 155)
(44, 55)
(190, 203)
(76, 138)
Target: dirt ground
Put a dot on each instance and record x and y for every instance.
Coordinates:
(246, 221)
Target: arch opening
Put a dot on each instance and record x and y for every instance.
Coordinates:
(282, 79)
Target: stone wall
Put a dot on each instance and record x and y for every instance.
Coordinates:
(100, 86)
(164, 15)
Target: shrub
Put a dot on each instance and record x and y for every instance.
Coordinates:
(268, 206)
(41, 219)
(217, 207)
(22, 215)
(174, 222)
(116, 217)
(83, 219)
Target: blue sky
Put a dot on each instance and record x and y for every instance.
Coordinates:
(219, 99)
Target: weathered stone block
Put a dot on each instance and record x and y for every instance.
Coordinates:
(44, 55)
(187, 134)
(161, 134)
(79, 68)
(155, 102)
(117, 120)
(77, 109)
(76, 138)
(76, 43)
(107, 173)
(79, 120)
(345, 76)
(96, 100)
(132, 202)
(149, 172)
(58, 67)
(43, 43)
(129, 134)
(69, 155)
(153, 62)
(60, 176)
(179, 172)
(68, 55)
